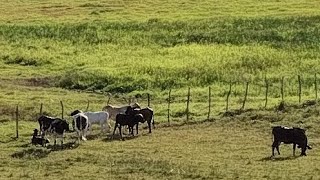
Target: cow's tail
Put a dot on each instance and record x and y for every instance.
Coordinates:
(153, 121)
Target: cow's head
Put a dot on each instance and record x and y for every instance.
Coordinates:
(75, 112)
(135, 105)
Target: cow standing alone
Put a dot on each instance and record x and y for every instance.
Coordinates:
(295, 136)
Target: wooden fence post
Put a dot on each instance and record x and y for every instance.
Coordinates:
(41, 106)
(267, 89)
(245, 96)
(316, 86)
(148, 100)
(299, 90)
(209, 111)
(17, 121)
(282, 88)
(227, 106)
(188, 102)
(88, 104)
(62, 109)
(109, 97)
(169, 99)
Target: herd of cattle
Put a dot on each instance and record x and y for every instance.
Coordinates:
(131, 116)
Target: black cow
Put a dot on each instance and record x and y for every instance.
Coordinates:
(295, 136)
(129, 120)
(146, 112)
(38, 140)
(57, 127)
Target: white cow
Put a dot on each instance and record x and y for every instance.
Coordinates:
(100, 117)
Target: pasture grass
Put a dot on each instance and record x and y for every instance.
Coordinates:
(83, 51)
(221, 149)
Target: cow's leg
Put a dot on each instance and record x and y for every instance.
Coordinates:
(79, 135)
(294, 149)
(61, 137)
(89, 129)
(114, 130)
(149, 126)
(278, 150)
(120, 132)
(137, 128)
(55, 140)
(131, 130)
(84, 134)
(303, 149)
(109, 125)
(275, 144)
(101, 127)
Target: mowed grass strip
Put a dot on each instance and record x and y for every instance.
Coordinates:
(224, 150)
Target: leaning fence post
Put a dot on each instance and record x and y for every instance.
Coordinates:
(299, 90)
(209, 111)
(41, 106)
(245, 96)
(109, 97)
(169, 99)
(88, 104)
(282, 88)
(316, 86)
(62, 109)
(148, 100)
(267, 89)
(17, 121)
(228, 95)
(188, 102)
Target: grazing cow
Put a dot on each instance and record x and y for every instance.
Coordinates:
(295, 136)
(38, 140)
(45, 123)
(81, 123)
(146, 112)
(129, 120)
(57, 127)
(100, 117)
(114, 110)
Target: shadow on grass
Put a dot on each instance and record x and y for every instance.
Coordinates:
(117, 137)
(9, 140)
(269, 158)
(94, 136)
(31, 153)
(63, 147)
(42, 152)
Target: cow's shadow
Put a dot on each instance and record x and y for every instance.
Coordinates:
(117, 137)
(63, 147)
(31, 153)
(12, 139)
(94, 136)
(270, 158)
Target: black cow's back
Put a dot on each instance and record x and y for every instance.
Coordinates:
(59, 126)
(45, 122)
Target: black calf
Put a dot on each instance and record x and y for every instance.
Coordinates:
(147, 114)
(38, 140)
(129, 120)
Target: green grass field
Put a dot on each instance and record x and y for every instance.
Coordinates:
(80, 51)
